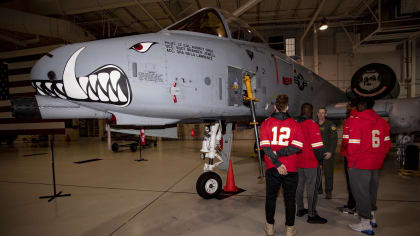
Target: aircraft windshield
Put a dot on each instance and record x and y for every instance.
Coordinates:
(206, 22)
(241, 30)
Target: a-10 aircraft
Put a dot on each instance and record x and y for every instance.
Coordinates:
(191, 71)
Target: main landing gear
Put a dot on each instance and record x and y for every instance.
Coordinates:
(209, 184)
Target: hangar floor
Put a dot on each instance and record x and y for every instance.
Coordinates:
(118, 196)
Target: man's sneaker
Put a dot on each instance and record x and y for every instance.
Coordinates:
(363, 226)
(302, 212)
(328, 195)
(316, 220)
(269, 229)
(348, 210)
(373, 220)
(290, 230)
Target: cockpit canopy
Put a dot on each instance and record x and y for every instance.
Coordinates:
(209, 21)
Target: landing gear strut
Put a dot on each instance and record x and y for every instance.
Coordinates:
(209, 184)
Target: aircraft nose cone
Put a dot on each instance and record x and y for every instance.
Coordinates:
(72, 72)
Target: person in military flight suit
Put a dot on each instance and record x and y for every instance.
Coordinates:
(329, 138)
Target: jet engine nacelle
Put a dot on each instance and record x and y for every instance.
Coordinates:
(404, 115)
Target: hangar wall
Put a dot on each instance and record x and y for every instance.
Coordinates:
(338, 63)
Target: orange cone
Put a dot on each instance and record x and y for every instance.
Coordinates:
(230, 180)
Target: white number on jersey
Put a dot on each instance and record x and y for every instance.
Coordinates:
(284, 135)
(376, 141)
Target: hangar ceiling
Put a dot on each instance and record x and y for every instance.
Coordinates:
(38, 23)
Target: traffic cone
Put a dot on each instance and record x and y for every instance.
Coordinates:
(230, 180)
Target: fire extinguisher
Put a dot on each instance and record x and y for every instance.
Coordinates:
(142, 137)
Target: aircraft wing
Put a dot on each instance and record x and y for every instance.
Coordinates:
(339, 110)
(403, 114)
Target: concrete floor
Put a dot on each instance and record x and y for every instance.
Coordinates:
(119, 196)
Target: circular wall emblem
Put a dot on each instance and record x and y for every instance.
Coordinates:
(373, 80)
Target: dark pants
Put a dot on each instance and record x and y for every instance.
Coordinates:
(351, 203)
(328, 170)
(310, 177)
(289, 183)
(364, 185)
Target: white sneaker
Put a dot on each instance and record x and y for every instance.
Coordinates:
(363, 226)
(373, 220)
(290, 230)
(269, 229)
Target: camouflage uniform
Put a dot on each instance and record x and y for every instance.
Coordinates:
(329, 138)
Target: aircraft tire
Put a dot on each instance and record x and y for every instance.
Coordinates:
(115, 147)
(133, 147)
(209, 185)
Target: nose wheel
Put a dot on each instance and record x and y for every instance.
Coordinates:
(209, 185)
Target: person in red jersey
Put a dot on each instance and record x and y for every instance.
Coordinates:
(281, 138)
(351, 113)
(368, 144)
(308, 164)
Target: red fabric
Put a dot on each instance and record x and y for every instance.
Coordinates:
(288, 132)
(369, 141)
(311, 140)
(345, 140)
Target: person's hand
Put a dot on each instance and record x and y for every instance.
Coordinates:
(282, 169)
(327, 155)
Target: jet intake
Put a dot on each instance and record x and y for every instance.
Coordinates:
(46, 107)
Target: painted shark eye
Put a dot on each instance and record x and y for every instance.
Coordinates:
(142, 47)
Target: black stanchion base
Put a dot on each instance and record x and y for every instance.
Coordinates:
(222, 195)
(141, 159)
(52, 197)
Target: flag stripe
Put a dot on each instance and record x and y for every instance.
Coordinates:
(23, 126)
(5, 109)
(18, 121)
(4, 103)
(20, 83)
(21, 77)
(26, 89)
(29, 94)
(33, 131)
(23, 64)
(4, 115)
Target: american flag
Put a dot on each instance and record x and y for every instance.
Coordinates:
(4, 82)
(14, 82)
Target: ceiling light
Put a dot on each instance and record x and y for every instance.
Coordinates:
(324, 25)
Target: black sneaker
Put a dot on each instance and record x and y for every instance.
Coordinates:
(316, 220)
(302, 212)
(320, 191)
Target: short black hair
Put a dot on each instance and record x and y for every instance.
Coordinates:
(306, 109)
(354, 101)
(366, 102)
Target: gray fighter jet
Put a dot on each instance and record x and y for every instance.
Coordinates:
(191, 71)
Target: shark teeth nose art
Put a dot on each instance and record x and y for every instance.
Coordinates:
(107, 84)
